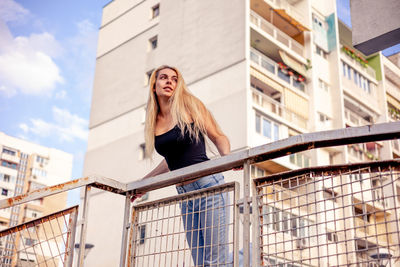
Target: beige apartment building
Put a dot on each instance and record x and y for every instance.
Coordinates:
(267, 70)
(26, 166)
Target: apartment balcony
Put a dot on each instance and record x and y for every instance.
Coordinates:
(367, 71)
(272, 69)
(396, 148)
(270, 105)
(277, 36)
(392, 89)
(291, 10)
(353, 119)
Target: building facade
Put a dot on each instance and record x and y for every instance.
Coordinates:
(26, 166)
(266, 69)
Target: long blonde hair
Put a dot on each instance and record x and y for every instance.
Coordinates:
(185, 109)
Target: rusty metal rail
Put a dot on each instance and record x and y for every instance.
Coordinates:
(47, 241)
(378, 132)
(344, 215)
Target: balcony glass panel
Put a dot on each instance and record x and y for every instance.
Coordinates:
(283, 76)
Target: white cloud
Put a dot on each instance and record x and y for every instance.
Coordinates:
(27, 66)
(65, 126)
(24, 127)
(11, 11)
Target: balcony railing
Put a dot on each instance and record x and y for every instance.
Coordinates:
(277, 34)
(273, 106)
(396, 146)
(153, 233)
(368, 70)
(354, 119)
(272, 67)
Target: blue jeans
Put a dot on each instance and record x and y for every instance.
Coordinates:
(206, 223)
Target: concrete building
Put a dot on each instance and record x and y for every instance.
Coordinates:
(26, 166)
(266, 69)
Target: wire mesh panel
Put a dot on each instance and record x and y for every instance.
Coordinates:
(47, 241)
(191, 229)
(344, 215)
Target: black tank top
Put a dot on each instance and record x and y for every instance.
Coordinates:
(180, 151)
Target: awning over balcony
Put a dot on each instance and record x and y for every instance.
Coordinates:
(292, 63)
(393, 101)
(255, 73)
(282, 13)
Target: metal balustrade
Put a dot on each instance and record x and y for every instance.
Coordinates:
(295, 232)
(48, 241)
(343, 215)
(275, 33)
(272, 67)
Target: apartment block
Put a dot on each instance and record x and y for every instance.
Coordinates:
(266, 69)
(26, 166)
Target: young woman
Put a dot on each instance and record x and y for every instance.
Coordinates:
(176, 125)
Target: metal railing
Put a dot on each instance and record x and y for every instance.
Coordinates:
(48, 241)
(275, 33)
(306, 217)
(277, 108)
(295, 232)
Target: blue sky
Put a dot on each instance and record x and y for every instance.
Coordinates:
(47, 61)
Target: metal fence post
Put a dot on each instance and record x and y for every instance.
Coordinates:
(72, 231)
(246, 214)
(255, 226)
(125, 226)
(236, 221)
(82, 241)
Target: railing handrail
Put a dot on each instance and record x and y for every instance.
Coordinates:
(260, 20)
(294, 144)
(100, 182)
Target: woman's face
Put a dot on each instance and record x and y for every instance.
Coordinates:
(166, 83)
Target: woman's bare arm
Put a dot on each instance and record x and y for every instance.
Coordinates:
(217, 136)
(161, 168)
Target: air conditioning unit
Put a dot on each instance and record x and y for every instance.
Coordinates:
(301, 243)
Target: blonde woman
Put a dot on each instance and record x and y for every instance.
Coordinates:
(176, 125)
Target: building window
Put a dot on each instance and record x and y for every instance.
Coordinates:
(258, 123)
(360, 214)
(4, 192)
(155, 11)
(323, 85)
(300, 160)
(358, 79)
(332, 237)
(6, 178)
(282, 221)
(9, 152)
(142, 231)
(8, 164)
(38, 173)
(142, 151)
(29, 242)
(147, 77)
(319, 51)
(269, 128)
(323, 117)
(153, 42)
(256, 172)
